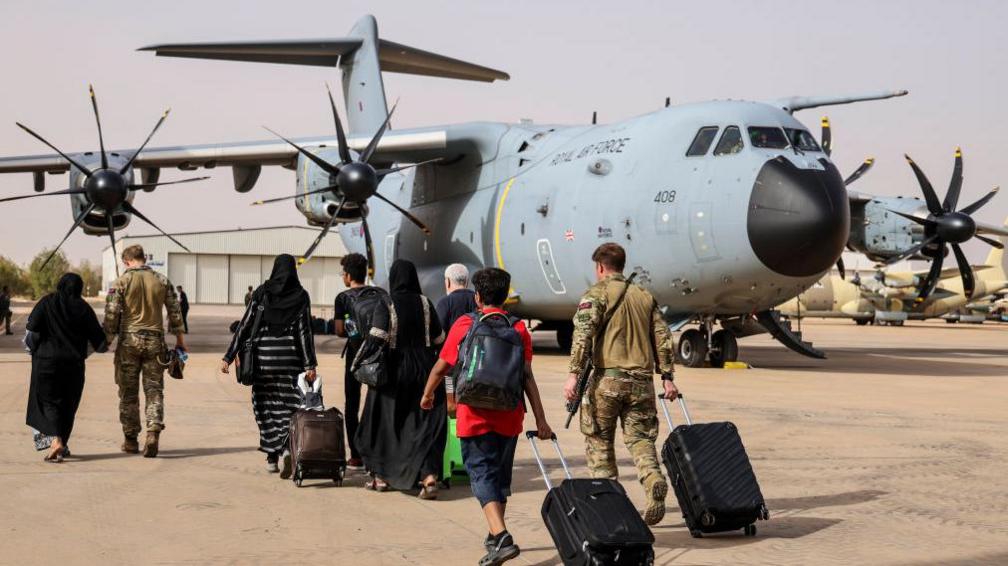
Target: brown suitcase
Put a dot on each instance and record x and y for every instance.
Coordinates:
(316, 445)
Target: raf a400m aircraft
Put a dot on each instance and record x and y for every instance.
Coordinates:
(727, 208)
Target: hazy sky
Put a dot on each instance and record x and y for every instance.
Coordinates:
(565, 59)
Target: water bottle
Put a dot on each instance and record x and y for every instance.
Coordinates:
(351, 327)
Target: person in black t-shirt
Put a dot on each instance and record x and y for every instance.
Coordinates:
(355, 268)
(460, 299)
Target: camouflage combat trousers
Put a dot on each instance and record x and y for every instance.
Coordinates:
(631, 400)
(138, 354)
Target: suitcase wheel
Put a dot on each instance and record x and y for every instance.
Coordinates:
(765, 514)
(338, 478)
(297, 477)
(750, 530)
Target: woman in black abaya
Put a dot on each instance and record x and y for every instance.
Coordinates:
(401, 444)
(283, 348)
(60, 327)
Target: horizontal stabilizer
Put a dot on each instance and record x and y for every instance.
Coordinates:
(317, 52)
(796, 103)
(393, 57)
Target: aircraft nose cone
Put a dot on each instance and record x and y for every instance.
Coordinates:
(799, 219)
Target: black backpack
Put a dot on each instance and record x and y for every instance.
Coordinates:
(362, 308)
(490, 373)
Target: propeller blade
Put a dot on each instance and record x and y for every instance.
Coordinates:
(911, 251)
(87, 172)
(423, 227)
(931, 281)
(955, 185)
(373, 144)
(840, 268)
(368, 247)
(289, 197)
(933, 204)
(101, 140)
(128, 207)
(111, 233)
(322, 234)
(138, 186)
(861, 170)
(964, 270)
(382, 172)
(976, 205)
(325, 165)
(144, 144)
(52, 194)
(77, 222)
(827, 136)
(921, 221)
(344, 148)
(990, 241)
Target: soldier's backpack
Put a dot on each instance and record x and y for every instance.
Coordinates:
(491, 364)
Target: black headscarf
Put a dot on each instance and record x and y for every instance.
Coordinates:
(65, 321)
(282, 295)
(403, 279)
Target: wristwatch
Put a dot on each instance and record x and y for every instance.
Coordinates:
(668, 376)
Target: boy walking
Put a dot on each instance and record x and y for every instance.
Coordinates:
(489, 436)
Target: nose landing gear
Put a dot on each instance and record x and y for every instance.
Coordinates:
(697, 346)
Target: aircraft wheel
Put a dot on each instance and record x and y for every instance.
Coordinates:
(692, 348)
(725, 348)
(565, 335)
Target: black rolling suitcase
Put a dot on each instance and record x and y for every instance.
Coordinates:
(592, 521)
(711, 476)
(316, 445)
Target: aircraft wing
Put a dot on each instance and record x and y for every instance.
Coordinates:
(408, 146)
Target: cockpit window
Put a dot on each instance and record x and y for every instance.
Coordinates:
(730, 142)
(802, 139)
(702, 142)
(763, 136)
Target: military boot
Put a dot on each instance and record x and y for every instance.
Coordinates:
(151, 446)
(655, 510)
(130, 445)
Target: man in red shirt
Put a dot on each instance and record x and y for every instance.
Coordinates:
(489, 436)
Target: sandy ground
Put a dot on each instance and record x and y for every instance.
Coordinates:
(893, 451)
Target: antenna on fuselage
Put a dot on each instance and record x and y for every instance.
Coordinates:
(594, 117)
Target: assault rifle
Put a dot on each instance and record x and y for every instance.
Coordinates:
(585, 375)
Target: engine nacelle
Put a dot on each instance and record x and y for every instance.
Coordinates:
(318, 208)
(94, 224)
(880, 234)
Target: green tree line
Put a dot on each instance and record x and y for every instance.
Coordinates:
(34, 281)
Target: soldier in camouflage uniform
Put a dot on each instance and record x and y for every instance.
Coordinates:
(133, 314)
(622, 387)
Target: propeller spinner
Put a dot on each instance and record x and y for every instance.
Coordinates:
(943, 226)
(351, 181)
(105, 188)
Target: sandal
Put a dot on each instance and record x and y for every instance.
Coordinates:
(56, 458)
(376, 484)
(428, 491)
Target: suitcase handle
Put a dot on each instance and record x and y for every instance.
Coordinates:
(532, 435)
(668, 415)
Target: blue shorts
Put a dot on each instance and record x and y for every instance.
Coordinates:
(489, 459)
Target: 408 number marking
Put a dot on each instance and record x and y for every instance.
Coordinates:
(665, 196)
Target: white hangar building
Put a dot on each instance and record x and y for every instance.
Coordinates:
(222, 265)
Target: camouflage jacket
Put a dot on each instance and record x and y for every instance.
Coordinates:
(134, 304)
(635, 334)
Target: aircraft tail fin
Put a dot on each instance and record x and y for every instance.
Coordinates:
(361, 56)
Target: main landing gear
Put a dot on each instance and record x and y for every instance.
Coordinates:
(695, 348)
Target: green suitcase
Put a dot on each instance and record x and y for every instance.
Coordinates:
(454, 469)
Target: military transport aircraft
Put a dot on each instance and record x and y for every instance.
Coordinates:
(892, 297)
(727, 208)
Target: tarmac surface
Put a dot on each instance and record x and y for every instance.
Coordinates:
(892, 451)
